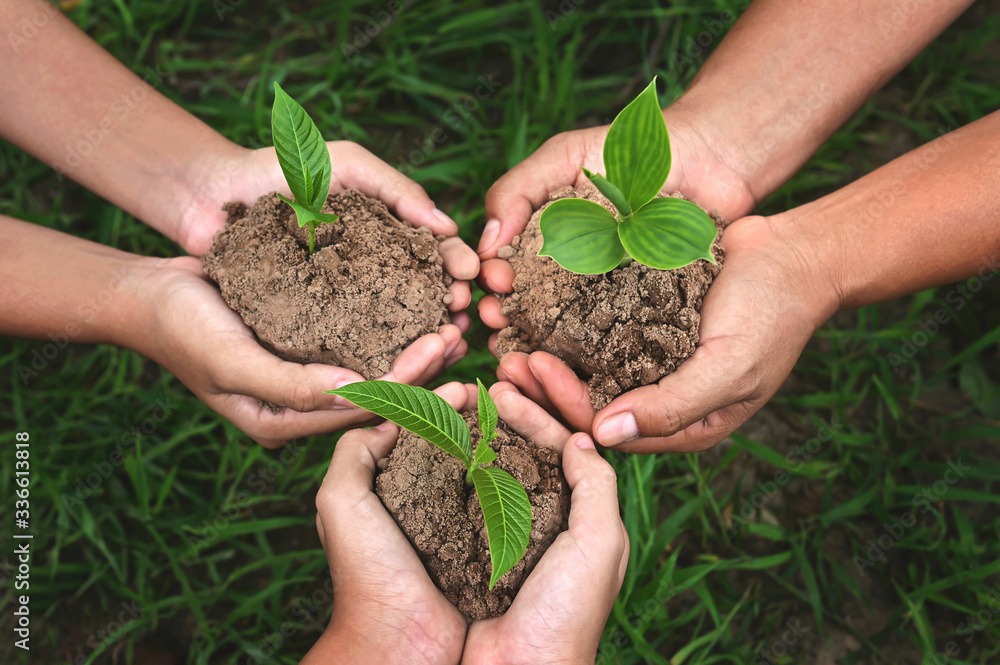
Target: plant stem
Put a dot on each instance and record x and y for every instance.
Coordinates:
(312, 237)
(625, 262)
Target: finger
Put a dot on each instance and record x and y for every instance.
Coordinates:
(352, 469)
(411, 364)
(274, 429)
(489, 312)
(593, 515)
(461, 296)
(516, 370)
(457, 355)
(354, 166)
(461, 396)
(462, 320)
(528, 419)
(491, 344)
(570, 397)
(459, 260)
(700, 386)
(514, 197)
(702, 435)
(496, 276)
(248, 369)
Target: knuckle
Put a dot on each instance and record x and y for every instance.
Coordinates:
(300, 397)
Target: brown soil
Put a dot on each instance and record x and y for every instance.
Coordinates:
(621, 330)
(373, 286)
(424, 489)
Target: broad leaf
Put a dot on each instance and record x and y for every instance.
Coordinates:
(507, 512)
(668, 233)
(484, 454)
(302, 152)
(417, 409)
(305, 215)
(487, 413)
(581, 236)
(637, 149)
(611, 193)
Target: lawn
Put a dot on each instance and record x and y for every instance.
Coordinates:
(855, 520)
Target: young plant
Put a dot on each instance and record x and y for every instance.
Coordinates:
(663, 233)
(304, 160)
(505, 504)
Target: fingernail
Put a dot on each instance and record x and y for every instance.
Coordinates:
(585, 443)
(489, 237)
(618, 429)
(445, 219)
(384, 427)
(338, 401)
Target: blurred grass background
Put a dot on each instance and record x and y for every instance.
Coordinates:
(200, 546)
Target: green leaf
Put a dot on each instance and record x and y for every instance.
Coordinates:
(484, 454)
(306, 216)
(611, 193)
(581, 236)
(417, 409)
(668, 233)
(507, 512)
(487, 413)
(302, 152)
(637, 149)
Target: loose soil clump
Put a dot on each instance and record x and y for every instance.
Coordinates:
(424, 489)
(373, 286)
(618, 331)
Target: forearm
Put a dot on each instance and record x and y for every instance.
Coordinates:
(63, 288)
(926, 219)
(73, 106)
(790, 72)
(344, 645)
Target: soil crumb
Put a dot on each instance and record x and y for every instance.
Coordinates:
(424, 489)
(618, 331)
(372, 287)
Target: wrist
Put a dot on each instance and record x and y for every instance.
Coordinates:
(365, 640)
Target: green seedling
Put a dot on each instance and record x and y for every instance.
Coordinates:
(505, 504)
(304, 160)
(663, 233)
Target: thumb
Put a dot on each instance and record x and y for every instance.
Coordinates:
(701, 386)
(594, 502)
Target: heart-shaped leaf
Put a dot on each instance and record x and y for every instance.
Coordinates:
(581, 236)
(419, 410)
(487, 413)
(507, 512)
(637, 149)
(668, 233)
(301, 150)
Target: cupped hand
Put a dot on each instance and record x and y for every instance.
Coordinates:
(386, 608)
(560, 611)
(193, 333)
(767, 302)
(697, 171)
(246, 175)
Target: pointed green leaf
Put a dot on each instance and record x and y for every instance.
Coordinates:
(507, 512)
(301, 150)
(637, 149)
(611, 193)
(417, 409)
(581, 236)
(484, 454)
(668, 233)
(487, 413)
(304, 215)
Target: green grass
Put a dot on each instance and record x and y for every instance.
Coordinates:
(209, 540)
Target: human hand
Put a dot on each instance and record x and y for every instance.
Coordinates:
(560, 611)
(766, 303)
(187, 327)
(245, 175)
(386, 608)
(697, 170)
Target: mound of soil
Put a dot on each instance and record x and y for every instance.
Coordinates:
(424, 490)
(618, 331)
(373, 286)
